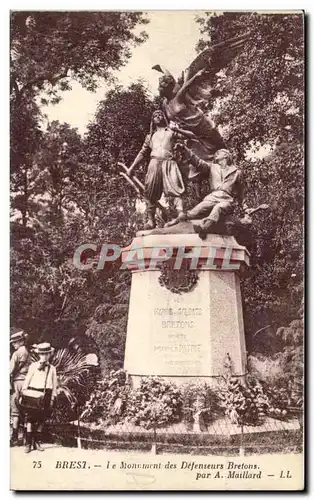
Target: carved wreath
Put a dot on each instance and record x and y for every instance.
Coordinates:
(177, 280)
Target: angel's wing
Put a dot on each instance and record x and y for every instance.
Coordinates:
(217, 56)
(212, 60)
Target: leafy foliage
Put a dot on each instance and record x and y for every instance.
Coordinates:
(49, 47)
(282, 376)
(239, 403)
(159, 404)
(264, 82)
(248, 404)
(77, 371)
(47, 51)
(68, 210)
(199, 399)
(116, 134)
(107, 327)
(155, 404)
(62, 192)
(258, 103)
(107, 402)
(67, 190)
(73, 369)
(279, 401)
(292, 362)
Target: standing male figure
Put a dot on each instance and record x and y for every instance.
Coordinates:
(226, 190)
(41, 376)
(163, 174)
(20, 361)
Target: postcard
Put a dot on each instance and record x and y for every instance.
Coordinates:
(157, 205)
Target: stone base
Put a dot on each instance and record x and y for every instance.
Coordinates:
(189, 335)
(230, 227)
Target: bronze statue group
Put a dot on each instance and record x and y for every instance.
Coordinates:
(181, 118)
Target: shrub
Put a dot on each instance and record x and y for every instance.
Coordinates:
(282, 403)
(281, 377)
(239, 402)
(156, 403)
(249, 404)
(199, 402)
(107, 403)
(292, 363)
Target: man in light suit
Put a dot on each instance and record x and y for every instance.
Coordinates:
(226, 190)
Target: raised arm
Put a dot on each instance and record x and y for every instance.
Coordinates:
(180, 95)
(194, 159)
(184, 133)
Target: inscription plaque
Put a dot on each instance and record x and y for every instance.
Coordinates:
(186, 335)
(176, 342)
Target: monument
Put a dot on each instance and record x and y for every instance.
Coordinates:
(185, 313)
(186, 328)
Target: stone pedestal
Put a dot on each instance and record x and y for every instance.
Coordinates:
(180, 336)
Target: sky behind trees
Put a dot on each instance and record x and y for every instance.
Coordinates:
(166, 31)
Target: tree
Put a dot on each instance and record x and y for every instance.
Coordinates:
(48, 51)
(258, 103)
(109, 205)
(25, 137)
(55, 167)
(49, 48)
(76, 195)
(261, 91)
(108, 324)
(116, 134)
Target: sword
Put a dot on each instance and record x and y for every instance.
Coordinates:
(134, 180)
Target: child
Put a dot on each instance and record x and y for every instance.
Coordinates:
(41, 376)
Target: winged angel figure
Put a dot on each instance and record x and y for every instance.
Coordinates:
(182, 116)
(182, 99)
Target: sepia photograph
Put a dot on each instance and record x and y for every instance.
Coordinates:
(156, 250)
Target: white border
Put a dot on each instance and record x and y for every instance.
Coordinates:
(4, 172)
